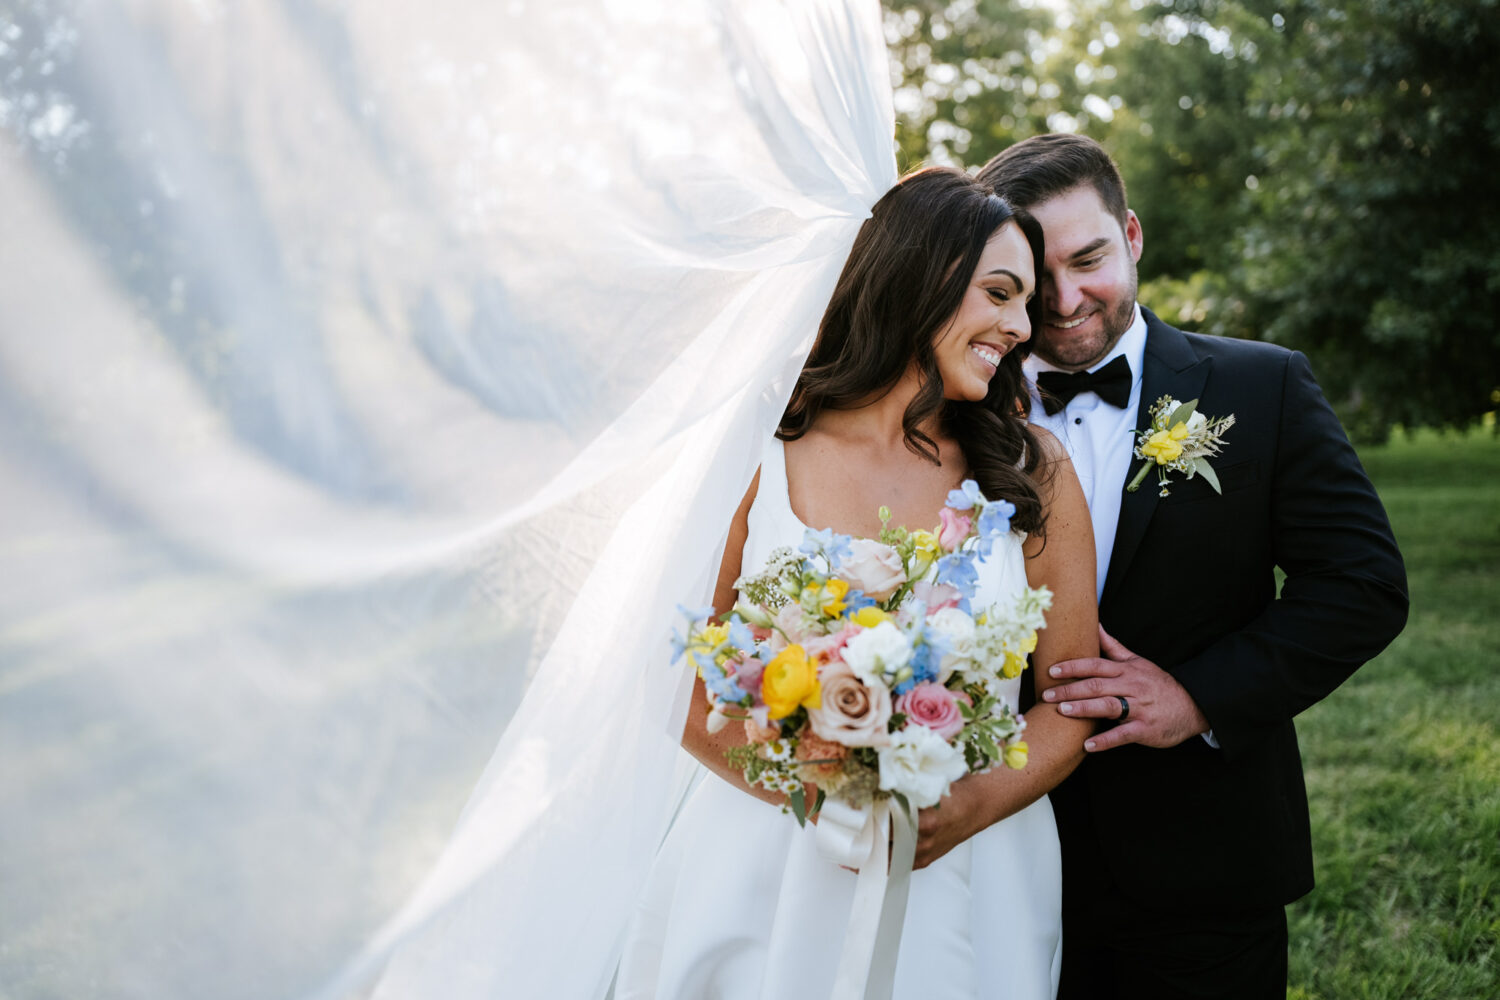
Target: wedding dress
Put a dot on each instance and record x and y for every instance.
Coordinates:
(741, 906)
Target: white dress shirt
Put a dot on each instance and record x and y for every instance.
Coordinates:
(1099, 438)
(1101, 441)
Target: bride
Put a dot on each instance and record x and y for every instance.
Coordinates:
(914, 384)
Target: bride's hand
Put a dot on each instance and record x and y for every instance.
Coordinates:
(958, 816)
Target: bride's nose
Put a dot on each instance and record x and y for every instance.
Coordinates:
(1018, 327)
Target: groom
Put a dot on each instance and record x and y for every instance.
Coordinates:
(1185, 831)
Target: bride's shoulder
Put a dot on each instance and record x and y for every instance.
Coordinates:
(1051, 448)
(1053, 467)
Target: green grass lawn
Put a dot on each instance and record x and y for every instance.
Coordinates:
(1403, 764)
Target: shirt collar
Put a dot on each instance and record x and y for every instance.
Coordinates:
(1132, 344)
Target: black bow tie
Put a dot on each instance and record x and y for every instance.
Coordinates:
(1110, 383)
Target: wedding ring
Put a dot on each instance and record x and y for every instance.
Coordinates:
(1124, 708)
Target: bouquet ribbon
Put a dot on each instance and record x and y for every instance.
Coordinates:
(881, 842)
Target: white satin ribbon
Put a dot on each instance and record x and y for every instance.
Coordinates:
(881, 842)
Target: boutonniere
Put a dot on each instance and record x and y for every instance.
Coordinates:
(1180, 439)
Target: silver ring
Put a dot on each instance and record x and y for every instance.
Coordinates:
(1124, 708)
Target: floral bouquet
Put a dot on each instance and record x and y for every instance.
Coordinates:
(859, 667)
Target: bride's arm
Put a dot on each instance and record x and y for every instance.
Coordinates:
(709, 747)
(1064, 561)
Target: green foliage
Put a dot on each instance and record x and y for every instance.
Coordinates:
(1403, 761)
(1310, 172)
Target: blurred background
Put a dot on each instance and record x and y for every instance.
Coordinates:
(1314, 172)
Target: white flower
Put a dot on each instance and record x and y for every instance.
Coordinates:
(874, 568)
(921, 765)
(1196, 423)
(878, 653)
(957, 629)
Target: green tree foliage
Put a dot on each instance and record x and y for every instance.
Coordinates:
(1310, 172)
(1374, 244)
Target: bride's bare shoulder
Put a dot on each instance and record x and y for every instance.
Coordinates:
(1052, 449)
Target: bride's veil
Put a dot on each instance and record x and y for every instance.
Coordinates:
(366, 372)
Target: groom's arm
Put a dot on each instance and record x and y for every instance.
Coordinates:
(1343, 601)
(1344, 598)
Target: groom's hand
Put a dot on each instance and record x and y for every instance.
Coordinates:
(1162, 713)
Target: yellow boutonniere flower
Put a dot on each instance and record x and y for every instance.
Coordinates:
(1180, 439)
(1165, 446)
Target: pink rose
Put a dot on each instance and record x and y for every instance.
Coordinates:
(937, 596)
(830, 646)
(934, 706)
(874, 568)
(748, 671)
(854, 713)
(954, 528)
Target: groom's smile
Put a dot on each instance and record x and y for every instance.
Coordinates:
(1091, 279)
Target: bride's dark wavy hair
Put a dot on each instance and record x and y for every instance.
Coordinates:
(911, 265)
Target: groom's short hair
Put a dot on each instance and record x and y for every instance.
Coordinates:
(1045, 166)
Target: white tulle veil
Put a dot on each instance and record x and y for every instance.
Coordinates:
(366, 372)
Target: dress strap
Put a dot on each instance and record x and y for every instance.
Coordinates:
(771, 520)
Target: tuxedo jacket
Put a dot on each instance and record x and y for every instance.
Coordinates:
(1192, 587)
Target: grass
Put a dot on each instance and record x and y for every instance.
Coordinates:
(1403, 761)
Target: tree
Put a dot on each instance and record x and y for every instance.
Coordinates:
(1310, 172)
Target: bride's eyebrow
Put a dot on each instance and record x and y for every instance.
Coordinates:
(1009, 274)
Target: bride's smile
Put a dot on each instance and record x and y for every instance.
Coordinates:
(991, 321)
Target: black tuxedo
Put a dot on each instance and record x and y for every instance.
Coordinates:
(1191, 587)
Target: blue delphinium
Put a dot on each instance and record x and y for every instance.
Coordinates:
(724, 684)
(693, 616)
(957, 570)
(740, 636)
(966, 496)
(994, 523)
(834, 548)
(855, 600)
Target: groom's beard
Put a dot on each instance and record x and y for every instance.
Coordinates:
(1115, 319)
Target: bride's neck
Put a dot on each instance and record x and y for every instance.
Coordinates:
(879, 419)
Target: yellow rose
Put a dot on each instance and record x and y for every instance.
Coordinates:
(924, 552)
(1015, 756)
(1164, 446)
(790, 680)
(869, 617)
(834, 592)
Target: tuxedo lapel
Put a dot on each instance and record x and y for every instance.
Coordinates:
(1171, 368)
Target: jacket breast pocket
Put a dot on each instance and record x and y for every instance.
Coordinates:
(1232, 479)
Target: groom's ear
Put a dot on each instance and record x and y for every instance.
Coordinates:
(1133, 235)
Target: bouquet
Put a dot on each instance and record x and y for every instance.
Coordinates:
(859, 667)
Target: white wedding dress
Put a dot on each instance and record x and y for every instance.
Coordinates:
(740, 905)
